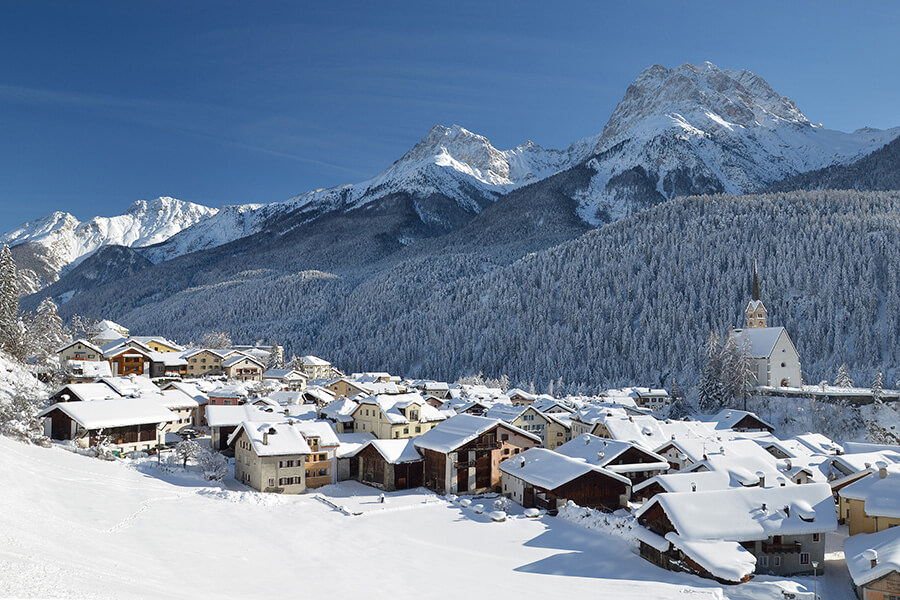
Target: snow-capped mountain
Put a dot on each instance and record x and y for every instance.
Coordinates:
(59, 240)
(700, 129)
(449, 173)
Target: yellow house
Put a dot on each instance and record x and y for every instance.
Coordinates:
(871, 504)
(345, 388)
(158, 344)
(395, 416)
(551, 430)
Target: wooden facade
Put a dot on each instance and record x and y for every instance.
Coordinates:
(63, 427)
(885, 588)
(372, 469)
(591, 490)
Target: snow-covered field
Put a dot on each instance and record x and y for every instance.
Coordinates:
(77, 527)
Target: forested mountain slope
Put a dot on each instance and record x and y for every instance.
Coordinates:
(629, 302)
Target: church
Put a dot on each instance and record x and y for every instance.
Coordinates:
(775, 360)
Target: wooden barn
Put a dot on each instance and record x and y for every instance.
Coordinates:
(388, 465)
(541, 478)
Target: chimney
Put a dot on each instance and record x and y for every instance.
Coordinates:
(873, 558)
(788, 465)
(694, 487)
(882, 472)
(762, 479)
(787, 510)
(265, 438)
(764, 507)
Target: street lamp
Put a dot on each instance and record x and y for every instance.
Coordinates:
(815, 565)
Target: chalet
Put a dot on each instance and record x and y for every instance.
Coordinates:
(463, 454)
(552, 431)
(129, 359)
(520, 397)
(541, 478)
(623, 458)
(317, 395)
(681, 454)
(315, 368)
(228, 395)
(288, 379)
(667, 483)
(350, 444)
(270, 457)
(129, 424)
(346, 388)
(873, 503)
(83, 371)
(388, 464)
(243, 368)
(708, 533)
(395, 416)
(437, 389)
(874, 564)
(80, 350)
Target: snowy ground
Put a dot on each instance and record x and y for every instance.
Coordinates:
(76, 527)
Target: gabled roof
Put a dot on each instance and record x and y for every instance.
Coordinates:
(89, 391)
(462, 429)
(738, 514)
(175, 399)
(882, 547)
(729, 417)
(393, 451)
(320, 429)
(549, 470)
(703, 481)
(601, 452)
(272, 439)
(760, 341)
(819, 443)
(127, 385)
(196, 351)
(284, 374)
(147, 339)
(231, 416)
(314, 361)
(120, 412)
(352, 442)
(394, 406)
(340, 410)
(230, 362)
(880, 495)
(84, 343)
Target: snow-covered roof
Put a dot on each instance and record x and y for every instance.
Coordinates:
(350, 443)
(394, 407)
(819, 443)
(119, 412)
(284, 374)
(84, 343)
(130, 385)
(231, 416)
(320, 429)
(230, 362)
(175, 399)
(340, 410)
(861, 461)
(192, 389)
(882, 547)
(462, 429)
(686, 482)
(728, 418)
(196, 351)
(394, 451)
(272, 439)
(650, 433)
(168, 359)
(880, 495)
(236, 390)
(147, 339)
(725, 560)
(549, 470)
(314, 361)
(88, 391)
(760, 341)
(601, 452)
(89, 368)
(319, 394)
(747, 514)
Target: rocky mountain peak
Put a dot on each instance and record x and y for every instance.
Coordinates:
(703, 95)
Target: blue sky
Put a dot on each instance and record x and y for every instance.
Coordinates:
(105, 103)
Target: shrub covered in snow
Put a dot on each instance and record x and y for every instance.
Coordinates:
(610, 524)
(22, 397)
(213, 465)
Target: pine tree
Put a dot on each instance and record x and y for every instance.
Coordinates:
(276, 357)
(216, 340)
(10, 331)
(737, 371)
(878, 387)
(842, 379)
(45, 333)
(712, 393)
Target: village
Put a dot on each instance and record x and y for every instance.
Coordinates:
(719, 496)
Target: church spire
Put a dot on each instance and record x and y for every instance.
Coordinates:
(755, 281)
(757, 315)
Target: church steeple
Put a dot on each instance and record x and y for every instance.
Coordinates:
(757, 316)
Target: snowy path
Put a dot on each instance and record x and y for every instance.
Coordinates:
(76, 527)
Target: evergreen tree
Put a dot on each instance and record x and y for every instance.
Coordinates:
(10, 330)
(737, 371)
(842, 379)
(878, 387)
(712, 392)
(45, 333)
(276, 357)
(216, 340)
(678, 404)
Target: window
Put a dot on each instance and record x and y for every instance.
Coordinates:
(777, 561)
(817, 537)
(418, 429)
(323, 472)
(323, 457)
(504, 437)
(396, 434)
(763, 561)
(271, 482)
(804, 558)
(406, 430)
